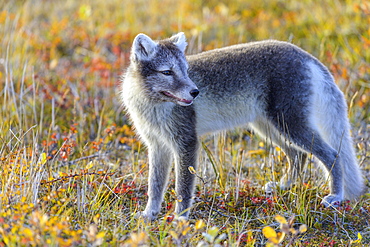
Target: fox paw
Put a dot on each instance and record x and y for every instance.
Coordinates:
(146, 216)
(332, 200)
(270, 187)
(181, 218)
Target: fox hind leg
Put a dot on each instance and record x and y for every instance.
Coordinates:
(309, 140)
(296, 157)
(296, 140)
(296, 163)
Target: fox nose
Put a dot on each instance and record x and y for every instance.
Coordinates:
(194, 93)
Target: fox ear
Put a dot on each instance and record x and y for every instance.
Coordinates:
(143, 47)
(180, 41)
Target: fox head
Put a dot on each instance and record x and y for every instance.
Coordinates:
(162, 69)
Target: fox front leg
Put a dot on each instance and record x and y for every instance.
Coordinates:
(160, 160)
(185, 179)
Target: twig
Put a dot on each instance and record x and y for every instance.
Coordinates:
(76, 175)
(72, 162)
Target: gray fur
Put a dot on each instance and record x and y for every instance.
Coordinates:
(276, 88)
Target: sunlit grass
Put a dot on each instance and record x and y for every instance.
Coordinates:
(73, 172)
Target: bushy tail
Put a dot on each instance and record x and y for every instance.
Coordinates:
(335, 128)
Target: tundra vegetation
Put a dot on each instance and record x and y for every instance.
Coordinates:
(73, 173)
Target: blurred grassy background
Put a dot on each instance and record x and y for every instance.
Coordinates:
(62, 36)
(62, 127)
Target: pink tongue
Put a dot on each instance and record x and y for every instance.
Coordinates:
(186, 101)
(181, 100)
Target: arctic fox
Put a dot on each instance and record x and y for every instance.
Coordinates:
(273, 87)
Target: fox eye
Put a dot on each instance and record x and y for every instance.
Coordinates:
(167, 72)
